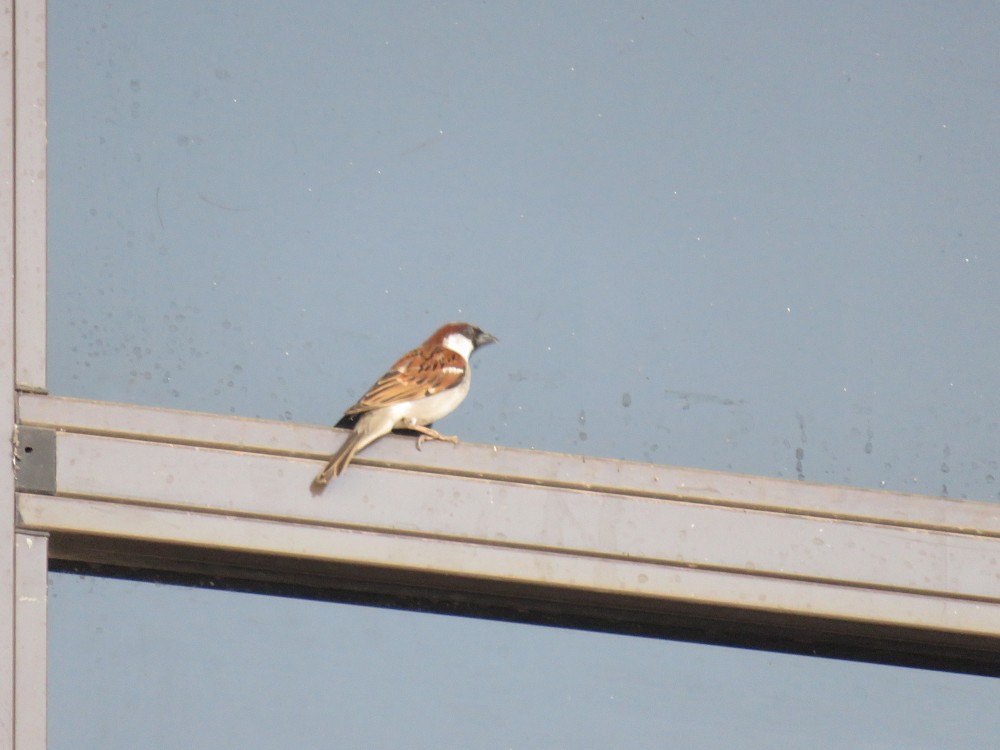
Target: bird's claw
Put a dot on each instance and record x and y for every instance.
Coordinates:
(421, 439)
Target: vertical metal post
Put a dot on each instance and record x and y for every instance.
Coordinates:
(31, 565)
(7, 397)
(30, 193)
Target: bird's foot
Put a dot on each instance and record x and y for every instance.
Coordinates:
(428, 434)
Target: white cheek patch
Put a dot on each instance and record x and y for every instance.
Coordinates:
(459, 343)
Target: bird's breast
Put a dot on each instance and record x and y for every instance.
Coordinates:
(432, 408)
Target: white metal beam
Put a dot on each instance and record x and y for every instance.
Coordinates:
(557, 470)
(7, 397)
(30, 192)
(605, 534)
(31, 636)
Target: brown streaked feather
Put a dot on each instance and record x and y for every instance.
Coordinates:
(422, 372)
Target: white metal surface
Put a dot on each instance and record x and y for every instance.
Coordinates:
(626, 534)
(545, 568)
(31, 639)
(557, 470)
(7, 398)
(765, 546)
(30, 190)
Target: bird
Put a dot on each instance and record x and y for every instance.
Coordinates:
(423, 386)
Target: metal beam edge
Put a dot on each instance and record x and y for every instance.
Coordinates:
(30, 112)
(583, 473)
(531, 568)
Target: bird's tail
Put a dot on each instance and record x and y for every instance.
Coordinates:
(339, 460)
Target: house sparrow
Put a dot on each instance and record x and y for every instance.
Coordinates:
(425, 385)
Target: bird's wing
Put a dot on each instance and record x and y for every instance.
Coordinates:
(418, 374)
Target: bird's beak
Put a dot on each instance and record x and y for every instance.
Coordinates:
(485, 338)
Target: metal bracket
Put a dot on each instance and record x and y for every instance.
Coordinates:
(35, 460)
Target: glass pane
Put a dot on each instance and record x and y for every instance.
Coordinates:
(746, 238)
(144, 665)
(721, 235)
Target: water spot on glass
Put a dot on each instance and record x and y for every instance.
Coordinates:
(626, 400)
(582, 417)
(583, 436)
